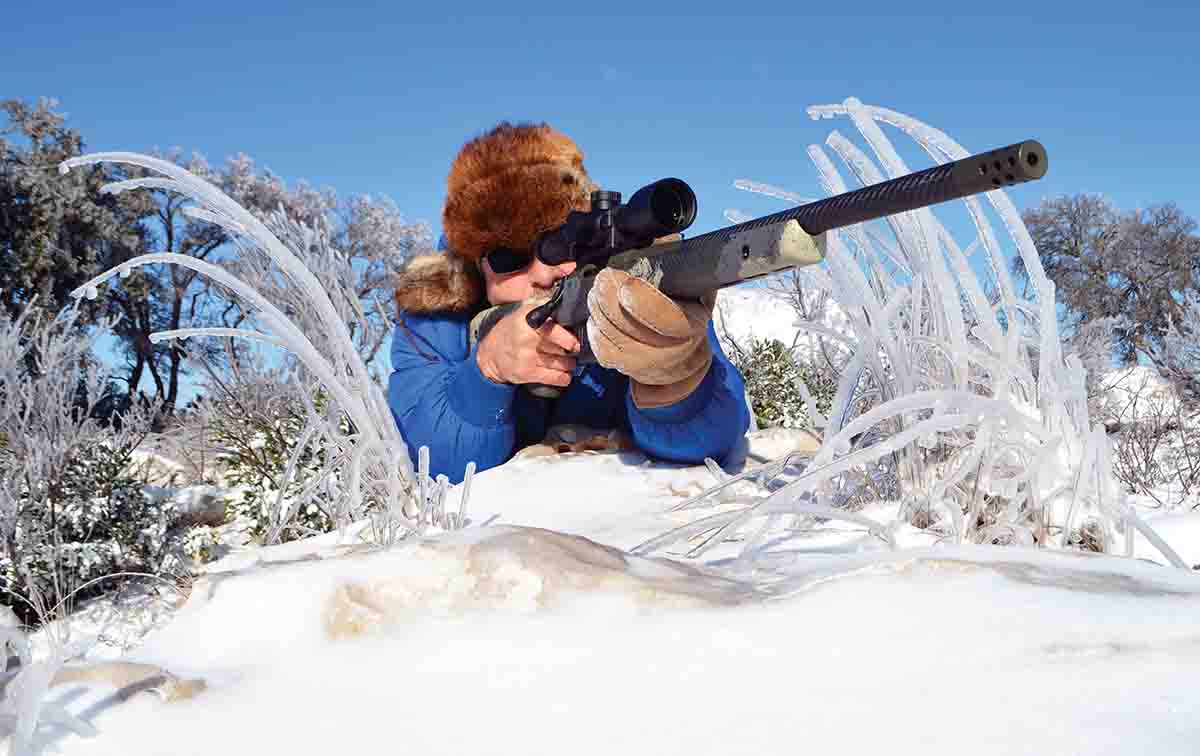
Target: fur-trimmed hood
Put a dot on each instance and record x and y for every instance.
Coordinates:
(439, 283)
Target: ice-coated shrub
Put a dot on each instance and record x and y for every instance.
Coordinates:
(956, 387)
(100, 524)
(264, 452)
(74, 520)
(276, 277)
(1155, 432)
(200, 543)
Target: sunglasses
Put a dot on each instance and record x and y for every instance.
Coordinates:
(504, 260)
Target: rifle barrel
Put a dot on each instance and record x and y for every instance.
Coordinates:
(738, 253)
(1007, 166)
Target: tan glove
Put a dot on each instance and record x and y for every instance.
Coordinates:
(659, 342)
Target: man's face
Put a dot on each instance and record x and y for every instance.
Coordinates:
(534, 281)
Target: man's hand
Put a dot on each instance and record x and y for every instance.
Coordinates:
(512, 352)
(659, 342)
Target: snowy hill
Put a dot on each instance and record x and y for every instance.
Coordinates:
(507, 639)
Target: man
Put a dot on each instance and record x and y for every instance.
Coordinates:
(662, 376)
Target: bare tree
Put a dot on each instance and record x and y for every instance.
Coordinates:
(354, 246)
(1138, 268)
(55, 230)
(368, 235)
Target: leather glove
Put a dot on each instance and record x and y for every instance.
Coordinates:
(659, 342)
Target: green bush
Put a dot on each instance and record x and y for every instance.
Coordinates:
(91, 522)
(256, 449)
(772, 380)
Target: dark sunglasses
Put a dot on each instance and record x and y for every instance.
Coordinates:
(504, 260)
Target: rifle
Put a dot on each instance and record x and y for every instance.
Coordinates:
(622, 235)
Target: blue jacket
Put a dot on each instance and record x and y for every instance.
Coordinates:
(440, 399)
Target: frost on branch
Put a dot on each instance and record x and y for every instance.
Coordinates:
(72, 519)
(956, 389)
(293, 300)
(71, 515)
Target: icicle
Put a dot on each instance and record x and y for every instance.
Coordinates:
(757, 187)
(465, 497)
(423, 485)
(439, 507)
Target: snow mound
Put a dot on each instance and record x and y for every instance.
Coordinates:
(1181, 530)
(511, 569)
(506, 640)
(520, 635)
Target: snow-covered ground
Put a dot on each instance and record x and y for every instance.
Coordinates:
(523, 637)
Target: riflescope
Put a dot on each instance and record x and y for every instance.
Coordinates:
(665, 207)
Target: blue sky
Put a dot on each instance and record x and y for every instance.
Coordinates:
(378, 99)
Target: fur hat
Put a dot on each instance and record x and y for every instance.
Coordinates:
(504, 188)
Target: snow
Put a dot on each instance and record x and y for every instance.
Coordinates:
(1135, 393)
(1178, 528)
(522, 637)
(748, 312)
(155, 468)
(754, 313)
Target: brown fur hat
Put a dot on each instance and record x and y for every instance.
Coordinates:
(504, 188)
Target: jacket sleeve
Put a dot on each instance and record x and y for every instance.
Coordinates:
(440, 399)
(706, 423)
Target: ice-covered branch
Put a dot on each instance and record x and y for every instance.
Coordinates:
(956, 386)
(378, 475)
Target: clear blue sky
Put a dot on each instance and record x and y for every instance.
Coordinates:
(378, 99)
